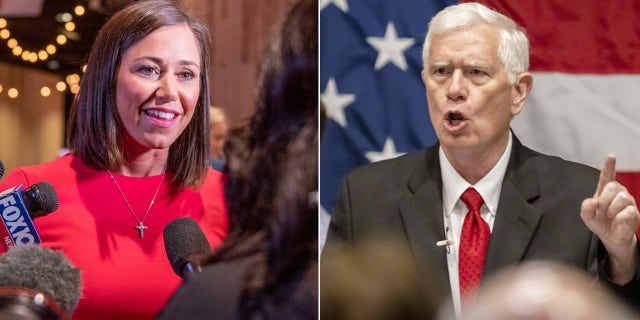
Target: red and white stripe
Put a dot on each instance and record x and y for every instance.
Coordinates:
(585, 102)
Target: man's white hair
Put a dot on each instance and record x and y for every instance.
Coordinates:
(513, 49)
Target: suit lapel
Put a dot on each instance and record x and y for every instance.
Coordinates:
(514, 227)
(516, 219)
(421, 214)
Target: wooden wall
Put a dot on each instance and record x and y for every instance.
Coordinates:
(240, 31)
(31, 126)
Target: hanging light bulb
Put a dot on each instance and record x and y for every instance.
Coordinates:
(5, 34)
(45, 91)
(61, 86)
(51, 49)
(79, 10)
(12, 93)
(69, 26)
(61, 39)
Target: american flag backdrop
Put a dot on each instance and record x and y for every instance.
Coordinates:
(585, 102)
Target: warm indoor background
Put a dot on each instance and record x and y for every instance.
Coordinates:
(43, 44)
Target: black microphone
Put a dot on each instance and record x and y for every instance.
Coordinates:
(40, 199)
(17, 209)
(184, 241)
(37, 281)
(1, 169)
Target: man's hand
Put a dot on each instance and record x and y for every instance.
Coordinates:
(613, 216)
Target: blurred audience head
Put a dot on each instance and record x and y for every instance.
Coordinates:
(273, 163)
(219, 131)
(392, 288)
(273, 171)
(545, 291)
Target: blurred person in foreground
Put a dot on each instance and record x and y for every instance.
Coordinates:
(219, 133)
(479, 200)
(138, 134)
(267, 267)
(545, 291)
(393, 288)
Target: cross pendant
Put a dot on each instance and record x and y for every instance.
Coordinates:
(141, 229)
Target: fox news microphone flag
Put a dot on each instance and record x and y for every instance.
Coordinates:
(585, 58)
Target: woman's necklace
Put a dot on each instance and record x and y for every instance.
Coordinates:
(141, 227)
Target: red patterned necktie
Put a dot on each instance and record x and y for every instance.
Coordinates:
(474, 240)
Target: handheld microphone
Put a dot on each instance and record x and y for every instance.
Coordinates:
(183, 241)
(38, 280)
(1, 169)
(18, 207)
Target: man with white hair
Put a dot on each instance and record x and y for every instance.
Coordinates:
(479, 200)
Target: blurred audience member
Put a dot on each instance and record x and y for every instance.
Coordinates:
(352, 288)
(267, 267)
(545, 291)
(219, 133)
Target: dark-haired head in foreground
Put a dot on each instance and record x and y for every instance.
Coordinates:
(267, 267)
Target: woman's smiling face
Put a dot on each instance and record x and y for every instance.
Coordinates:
(158, 85)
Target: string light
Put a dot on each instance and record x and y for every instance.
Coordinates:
(69, 26)
(12, 93)
(13, 43)
(45, 91)
(78, 10)
(65, 17)
(74, 88)
(73, 78)
(51, 49)
(60, 86)
(61, 39)
(43, 54)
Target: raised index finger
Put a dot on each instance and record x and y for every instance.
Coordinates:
(607, 174)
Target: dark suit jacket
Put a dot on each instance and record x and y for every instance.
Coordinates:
(538, 215)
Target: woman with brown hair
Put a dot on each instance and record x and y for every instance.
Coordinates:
(138, 134)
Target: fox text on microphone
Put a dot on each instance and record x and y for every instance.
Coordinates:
(17, 208)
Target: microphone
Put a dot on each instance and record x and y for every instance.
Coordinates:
(37, 281)
(18, 207)
(446, 242)
(183, 241)
(1, 169)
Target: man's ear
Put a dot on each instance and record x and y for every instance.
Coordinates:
(521, 89)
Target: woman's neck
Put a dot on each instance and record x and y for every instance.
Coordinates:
(150, 163)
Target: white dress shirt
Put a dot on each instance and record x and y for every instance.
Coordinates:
(454, 210)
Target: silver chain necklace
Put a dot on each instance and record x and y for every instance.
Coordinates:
(141, 227)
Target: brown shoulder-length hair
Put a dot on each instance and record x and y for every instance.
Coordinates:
(273, 177)
(95, 132)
